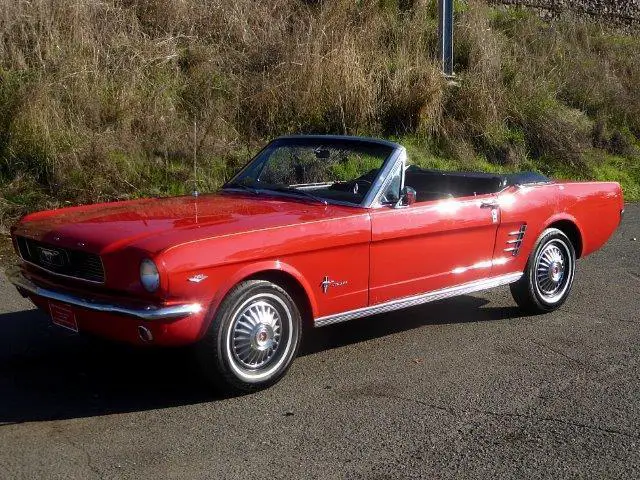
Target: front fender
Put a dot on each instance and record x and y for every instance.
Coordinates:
(251, 270)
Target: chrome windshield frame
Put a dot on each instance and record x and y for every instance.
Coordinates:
(396, 160)
(398, 154)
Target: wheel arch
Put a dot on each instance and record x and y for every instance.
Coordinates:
(293, 286)
(570, 228)
(280, 273)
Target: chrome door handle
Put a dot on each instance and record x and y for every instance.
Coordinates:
(489, 205)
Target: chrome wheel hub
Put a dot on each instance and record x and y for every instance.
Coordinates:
(556, 271)
(262, 337)
(552, 267)
(256, 334)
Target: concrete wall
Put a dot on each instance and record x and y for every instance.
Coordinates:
(617, 11)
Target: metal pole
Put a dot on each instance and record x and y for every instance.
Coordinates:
(445, 35)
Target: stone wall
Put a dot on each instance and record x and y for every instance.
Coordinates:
(616, 11)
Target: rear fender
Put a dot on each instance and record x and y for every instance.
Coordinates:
(564, 217)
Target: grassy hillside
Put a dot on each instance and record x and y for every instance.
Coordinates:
(113, 99)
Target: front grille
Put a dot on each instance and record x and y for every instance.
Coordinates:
(515, 242)
(62, 261)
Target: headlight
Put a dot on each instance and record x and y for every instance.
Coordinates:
(149, 276)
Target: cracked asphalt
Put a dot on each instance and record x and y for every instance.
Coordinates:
(462, 388)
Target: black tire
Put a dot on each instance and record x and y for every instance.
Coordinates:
(549, 274)
(252, 339)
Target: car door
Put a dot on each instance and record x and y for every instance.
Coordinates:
(431, 245)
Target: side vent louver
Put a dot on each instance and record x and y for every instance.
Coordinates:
(515, 240)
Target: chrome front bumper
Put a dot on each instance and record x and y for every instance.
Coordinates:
(149, 312)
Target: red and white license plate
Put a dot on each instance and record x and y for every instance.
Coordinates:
(63, 316)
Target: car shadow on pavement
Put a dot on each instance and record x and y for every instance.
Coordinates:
(47, 374)
(463, 309)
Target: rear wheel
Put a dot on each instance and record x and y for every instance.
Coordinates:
(549, 274)
(253, 338)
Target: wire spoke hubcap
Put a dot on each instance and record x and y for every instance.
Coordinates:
(256, 334)
(553, 270)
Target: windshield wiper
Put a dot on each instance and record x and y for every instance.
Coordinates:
(241, 186)
(295, 191)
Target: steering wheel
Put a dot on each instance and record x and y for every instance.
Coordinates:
(357, 182)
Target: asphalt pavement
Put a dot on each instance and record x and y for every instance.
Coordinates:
(462, 388)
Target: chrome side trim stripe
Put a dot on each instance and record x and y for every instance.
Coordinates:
(463, 289)
(150, 312)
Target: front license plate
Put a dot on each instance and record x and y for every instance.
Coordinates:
(63, 316)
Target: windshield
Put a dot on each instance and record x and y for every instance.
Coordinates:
(322, 170)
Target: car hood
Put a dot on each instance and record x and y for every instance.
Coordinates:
(158, 223)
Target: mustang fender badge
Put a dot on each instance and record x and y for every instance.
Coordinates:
(198, 278)
(327, 282)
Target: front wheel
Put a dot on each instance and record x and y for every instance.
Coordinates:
(548, 277)
(253, 337)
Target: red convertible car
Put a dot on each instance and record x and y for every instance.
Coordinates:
(314, 230)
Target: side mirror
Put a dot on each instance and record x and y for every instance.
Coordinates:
(407, 197)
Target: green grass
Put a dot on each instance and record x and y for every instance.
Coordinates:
(623, 170)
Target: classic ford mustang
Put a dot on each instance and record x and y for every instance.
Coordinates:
(314, 230)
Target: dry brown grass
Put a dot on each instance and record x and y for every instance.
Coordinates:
(93, 89)
(102, 99)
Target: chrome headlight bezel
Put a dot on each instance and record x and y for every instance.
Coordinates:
(149, 275)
